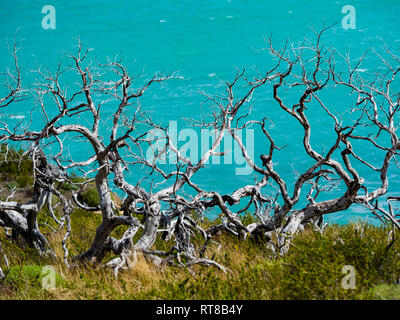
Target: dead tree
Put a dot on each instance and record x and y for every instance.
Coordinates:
(118, 146)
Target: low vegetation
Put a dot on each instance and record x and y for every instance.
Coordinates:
(312, 269)
(15, 167)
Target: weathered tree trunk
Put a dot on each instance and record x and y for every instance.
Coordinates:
(152, 221)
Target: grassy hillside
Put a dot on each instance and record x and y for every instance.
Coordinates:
(311, 270)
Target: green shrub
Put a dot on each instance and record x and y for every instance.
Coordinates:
(83, 224)
(386, 292)
(71, 186)
(313, 267)
(13, 164)
(24, 181)
(11, 185)
(90, 197)
(28, 276)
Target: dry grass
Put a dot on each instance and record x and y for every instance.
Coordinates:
(311, 270)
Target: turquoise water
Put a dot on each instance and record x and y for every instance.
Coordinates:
(205, 41)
